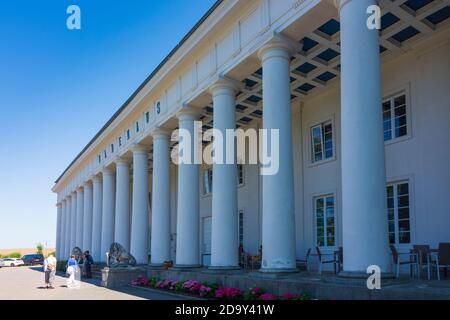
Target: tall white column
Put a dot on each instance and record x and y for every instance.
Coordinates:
(139, 211)
(68, 227)
(188, 215)
(224, 233)
(122, 224)
(97, 190)
(278, 226)
(160, 244)
(62, 248)
(73, 221)
(80, 213)
(364, 208)
(109, 187)
(87, 217)
(58, 229)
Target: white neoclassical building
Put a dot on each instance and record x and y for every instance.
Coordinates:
(364, 123)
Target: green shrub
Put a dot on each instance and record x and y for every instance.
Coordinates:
(13, 255)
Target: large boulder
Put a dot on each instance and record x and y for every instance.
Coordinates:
(118, 257)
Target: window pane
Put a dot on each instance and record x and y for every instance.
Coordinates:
(387, 106)
(387, 135)
(403, 225)
(404, 237)
(400, 101)
(391, 238)
(390, 214)
(330, 241)
(403, 201)
(403, 213)
(320, 241)
(400, 121)
(402, 189)
(391, 226)
(400, 132)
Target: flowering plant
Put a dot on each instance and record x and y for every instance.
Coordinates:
(254, 293)
(206, 292)
(268, 296)
(228, 293)
(192, 286)
(141, 281)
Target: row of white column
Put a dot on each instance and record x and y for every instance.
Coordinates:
(105, 210)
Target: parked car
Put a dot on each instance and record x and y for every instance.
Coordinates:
(12, 262)
(33, 259)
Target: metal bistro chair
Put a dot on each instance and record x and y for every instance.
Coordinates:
(422, 250)
(413, 260)
(304, 262)
(339, 257)
(440, 259)
(320, 257)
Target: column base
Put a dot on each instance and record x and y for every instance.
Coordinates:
(278, 271)
(185, 267)
(223, 269)
(363, 275)
(156, 266)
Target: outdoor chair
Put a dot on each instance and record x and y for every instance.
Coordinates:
(440, 259)
(322, 261)
(412, 261)
(422, 250)
(339, 257)
(304, 262)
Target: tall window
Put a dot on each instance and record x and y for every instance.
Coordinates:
(322, 141)
(120, 141)
(137, 126)
(112, 148)
(128, 134)
(394, 117)
(325, 226)
(240, 172)
(398, 213)
(241, 227)
(147, 117)
(207, 181)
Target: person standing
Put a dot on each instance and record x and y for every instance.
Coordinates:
(88, 261)
(72, 267)
(50, 271)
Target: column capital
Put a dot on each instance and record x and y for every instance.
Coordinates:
(225, 85)
(339, 4)
(95, 179)
(119, 161)
(278, 46)
(161, 133)
(188, 113)
(87, 184)
(80, 189)
(59, 204)
(107, 171)
(139, 148)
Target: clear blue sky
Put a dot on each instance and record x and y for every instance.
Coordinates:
(58, 87)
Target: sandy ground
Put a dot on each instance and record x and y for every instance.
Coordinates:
(27, 283)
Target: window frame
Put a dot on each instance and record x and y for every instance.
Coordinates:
(390, 95)
(395, 184)
(240, 184)
(241, 212)
(324, 196)
(310, 144)
(208, 169)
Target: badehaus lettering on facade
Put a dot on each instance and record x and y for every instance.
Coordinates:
(237, 146)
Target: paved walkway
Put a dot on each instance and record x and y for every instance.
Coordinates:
(26, 283)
